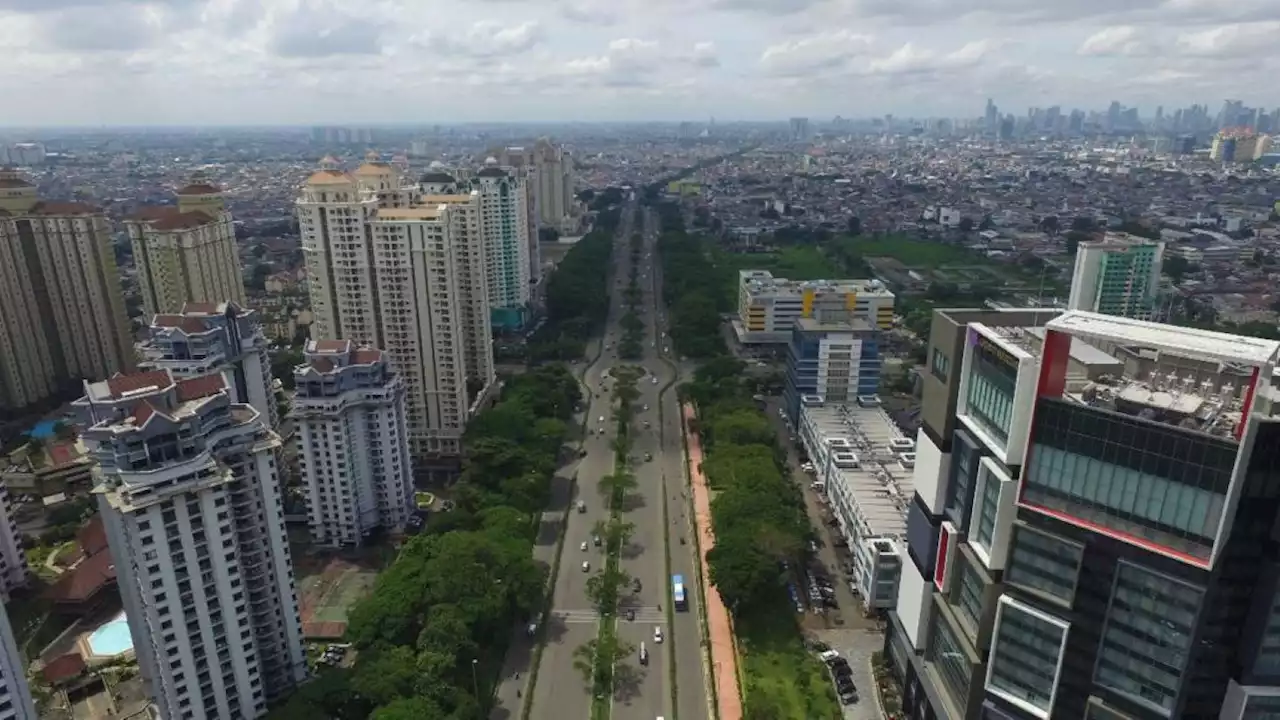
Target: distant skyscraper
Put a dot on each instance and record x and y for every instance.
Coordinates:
(1117, 276)
(800, 131)
(186, 252)
(62, 314)
(350, 401)
(992, 117)
(190, 501)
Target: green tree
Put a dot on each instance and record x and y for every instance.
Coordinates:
(387, 676)
(603, 588)
(1175, 267)
(412, 708)
(742, 572)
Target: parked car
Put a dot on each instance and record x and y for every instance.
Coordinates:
(657, 633)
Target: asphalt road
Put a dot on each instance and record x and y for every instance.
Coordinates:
(645, 693)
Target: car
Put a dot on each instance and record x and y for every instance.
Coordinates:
(657, 633)
(631, 615)
(646, 408)
(584, 546)
(644, 655)
(653, 381)
(601, 420)
(829, 657)
(582, 506)
(648, 457)
(595, 539)
(586, 566)
(849, 698)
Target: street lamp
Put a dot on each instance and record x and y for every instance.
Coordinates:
(475, 686)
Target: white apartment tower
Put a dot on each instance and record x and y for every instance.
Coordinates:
(62, 314)
(506, 232)
(222, 338)
(422, 322)
(186, 485)
(14, 571)
(15, 694)
(352, 421)
(334, 211)
(186, 252)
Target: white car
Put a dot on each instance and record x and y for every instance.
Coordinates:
(584, 547)
(601, 419)
(653, 381)
(586, 566)
(657, 633)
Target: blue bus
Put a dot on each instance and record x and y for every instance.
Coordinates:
(677, 592)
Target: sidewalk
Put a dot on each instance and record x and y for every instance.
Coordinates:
(724, 658)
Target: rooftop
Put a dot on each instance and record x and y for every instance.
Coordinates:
(330, 177)
(763, 281)
(1178, 341)
(870, 468)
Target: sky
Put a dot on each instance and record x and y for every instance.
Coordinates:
(256, 62)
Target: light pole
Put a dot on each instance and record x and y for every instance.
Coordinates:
(475, 686)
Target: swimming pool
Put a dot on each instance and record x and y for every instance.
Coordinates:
(111, 638)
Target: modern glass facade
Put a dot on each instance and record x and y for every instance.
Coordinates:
(966, 456)
(992, 379)
(1044, 565)
(988, 506)
(1144, 479)
(950, 661)
(1025, 656)
(1147, 636)
(968, 597)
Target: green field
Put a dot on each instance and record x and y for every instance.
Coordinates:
(910, 252)
(781, 679)
(792, 263)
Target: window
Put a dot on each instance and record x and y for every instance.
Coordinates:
(1026, 656)
(949, 660)
(968, 595)
(1147, 636)
(1268, 660)
(965, 457)
(990, 484)
(1261, 707)
(1154, 481)
(940, 365)
(991, 384)
(1044, 564)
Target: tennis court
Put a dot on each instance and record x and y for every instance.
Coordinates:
(329, 584)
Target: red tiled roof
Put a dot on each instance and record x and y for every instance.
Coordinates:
(182, 221)
(93, 536)
(142, 412)
(365, 356)
(322, 364)
(200, 308)
(64, 208)
(332, 345)
(121, 384)
(199, 189)
(63, 668)
(83, 581)
(61, 453)
(199, 387)
(153, 212)
(187, 324)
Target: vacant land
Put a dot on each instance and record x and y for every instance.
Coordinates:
(780, 678)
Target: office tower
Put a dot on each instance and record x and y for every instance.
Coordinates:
(224, 339)
(981, 369)
(506, 233)
(467, 235)
(62, 314)
(188, 495)
(768, 306)
(350, 411)
(15, 694)
(334, 211)
(800, 129)
(422, 322)
(186, 252)
(1142, 575)
(1119, 275)
(834, 362)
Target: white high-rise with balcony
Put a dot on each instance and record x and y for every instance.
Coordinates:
(222, 338)
(15, 694)
(352, 424)
(188, 496)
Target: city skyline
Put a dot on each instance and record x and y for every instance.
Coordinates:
(285, 61)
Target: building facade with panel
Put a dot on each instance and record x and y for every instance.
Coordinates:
(981, 368)
(835, 362)
(769, 306)
(1142, 572)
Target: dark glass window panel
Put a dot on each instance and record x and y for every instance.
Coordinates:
(1043, 564)
(1024, 656)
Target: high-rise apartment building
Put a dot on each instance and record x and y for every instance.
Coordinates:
(188, 495)
(407, 269)
(15, 694)
(186, 252)
(62, 314)
(352, 421)
(1119, 275)
(422, 321)
(14, 571)
(550, 184)
(769, 306)
(506, 234)
(222, 338)
(800, 130)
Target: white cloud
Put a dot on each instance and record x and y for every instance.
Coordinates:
(1116, 40)
(1231, 40)
(827, 51)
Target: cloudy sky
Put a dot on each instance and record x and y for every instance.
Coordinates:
(106, 62)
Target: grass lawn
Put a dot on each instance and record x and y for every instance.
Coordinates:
(911, 252)
(781, 678)
(792, 263)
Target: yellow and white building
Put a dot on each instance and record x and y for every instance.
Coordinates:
(186, 252)
(769, 306)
